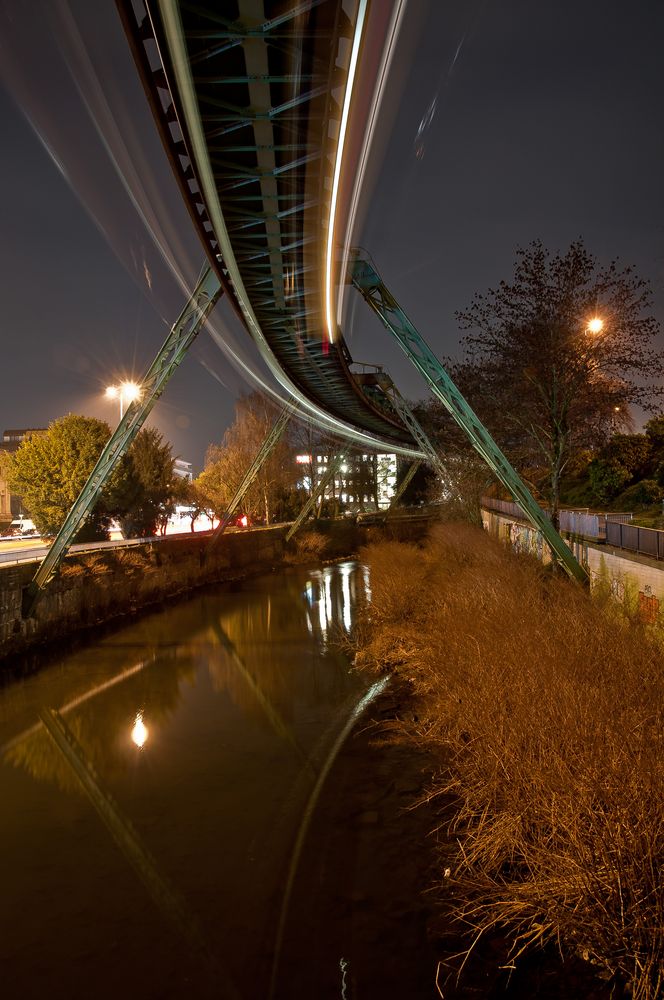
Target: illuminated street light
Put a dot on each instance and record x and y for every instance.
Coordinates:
(139, 733)
(126, 392)
(596, 325)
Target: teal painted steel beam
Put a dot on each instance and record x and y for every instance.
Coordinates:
(317, 493)
(255, 78)
(271, 439)
(293, 147)
(370, 285)
(416, 429)
(404, 484)
(235, 29)
(179, 340)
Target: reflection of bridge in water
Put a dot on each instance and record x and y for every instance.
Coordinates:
(267, 113)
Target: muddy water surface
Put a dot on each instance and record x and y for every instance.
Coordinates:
(163, 794)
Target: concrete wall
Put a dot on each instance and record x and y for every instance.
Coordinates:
(95, 587)
(635, 581)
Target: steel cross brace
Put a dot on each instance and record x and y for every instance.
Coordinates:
(316, 493)
(271, 439)
(416, 429)
(182, 335)
(370, 285)
(403, 485)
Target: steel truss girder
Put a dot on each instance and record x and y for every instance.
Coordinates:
(271, 439)
(179, 340)
(370, 285)
(317, 492)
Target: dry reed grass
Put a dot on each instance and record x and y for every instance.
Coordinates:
(310, 545)
(544, 712)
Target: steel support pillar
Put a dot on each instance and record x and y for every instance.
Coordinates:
(317, 493)
(182, 335)
(370, 285)
(416, 429)
(271, 439)
(403, 485)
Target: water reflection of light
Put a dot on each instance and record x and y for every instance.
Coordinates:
(346, 570)
(367, 584)
(328, 594)
(321, 613)
(139, 733)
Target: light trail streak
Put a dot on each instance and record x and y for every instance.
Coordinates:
(352, 66)
(383, 73)
(173, 31)
(307, 816)
(111, 134)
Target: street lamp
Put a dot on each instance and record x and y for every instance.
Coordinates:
(126, 393)
(139, 733)
(596, 325)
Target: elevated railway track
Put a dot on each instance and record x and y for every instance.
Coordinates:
(252, 102)
(262, 109)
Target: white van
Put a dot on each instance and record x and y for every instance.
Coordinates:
(22, 527)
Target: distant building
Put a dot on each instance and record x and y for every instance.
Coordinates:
(12, 438)
(363, 481)
(10, 504)
(183, 469)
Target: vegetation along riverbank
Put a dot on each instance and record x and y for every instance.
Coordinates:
(541, 710)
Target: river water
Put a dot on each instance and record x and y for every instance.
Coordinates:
(157, 787)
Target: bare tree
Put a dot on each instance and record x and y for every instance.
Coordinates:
(555, 357)
(226, 463)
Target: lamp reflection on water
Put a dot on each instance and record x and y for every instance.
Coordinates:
(322, 594)
(139, 733)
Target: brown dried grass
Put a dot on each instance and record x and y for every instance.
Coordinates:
(544, 711)
(311, 544)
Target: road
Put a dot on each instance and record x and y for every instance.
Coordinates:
(25, 550)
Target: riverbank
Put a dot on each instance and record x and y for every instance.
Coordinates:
(541, 713)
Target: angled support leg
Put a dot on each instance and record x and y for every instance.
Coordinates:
(403, 485)
(269, 443)
(416, 429)
(370, 285)
(182, 335)
(317, 493)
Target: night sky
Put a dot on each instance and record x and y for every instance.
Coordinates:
(547, 124)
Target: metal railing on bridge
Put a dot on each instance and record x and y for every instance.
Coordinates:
(576, 522)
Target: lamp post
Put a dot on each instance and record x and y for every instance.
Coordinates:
(126, 392)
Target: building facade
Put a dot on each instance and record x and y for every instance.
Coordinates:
(10, 504)
(363, 482)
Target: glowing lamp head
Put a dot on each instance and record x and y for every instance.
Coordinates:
(596, 325)
(112, 392)
(139, 733)
(130, 391)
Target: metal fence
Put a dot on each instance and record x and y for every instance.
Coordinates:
(648, 541)
(582, 522)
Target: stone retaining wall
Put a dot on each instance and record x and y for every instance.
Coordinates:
(635, 581)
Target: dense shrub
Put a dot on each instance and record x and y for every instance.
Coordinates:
(642, 494)
(550, 709)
